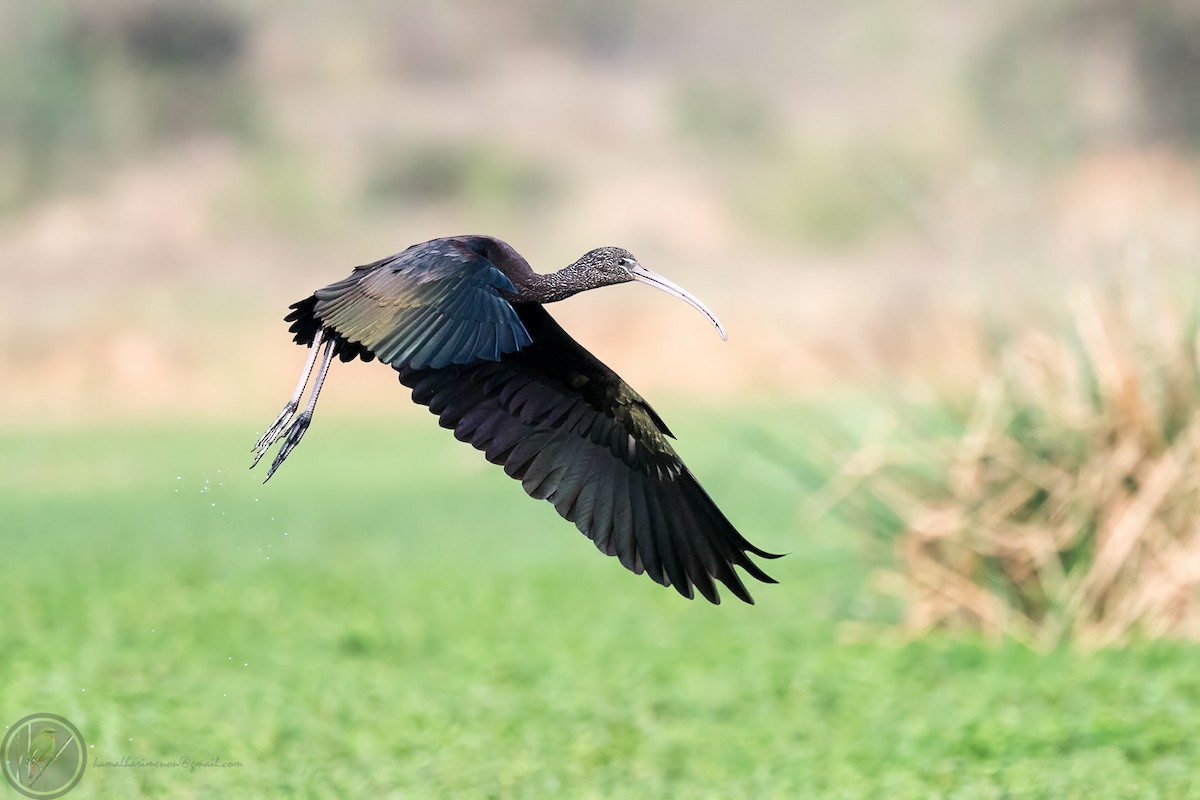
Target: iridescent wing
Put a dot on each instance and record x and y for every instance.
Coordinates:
(575, 434)
(435, 304)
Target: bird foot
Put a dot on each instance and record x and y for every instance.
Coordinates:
(295, 432)
(274, 432)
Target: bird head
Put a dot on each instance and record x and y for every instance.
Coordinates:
(48, 731)
(606, 266)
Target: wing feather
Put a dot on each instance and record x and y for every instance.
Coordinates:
(435, 304)
(595, 450)
(509, 381)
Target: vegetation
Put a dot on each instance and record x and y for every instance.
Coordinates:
(1000, 603)
(1091, 73)
(373, 622)
(86, 86)
(483, 177)
(1064, 506)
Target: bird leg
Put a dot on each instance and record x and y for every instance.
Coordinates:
(268, 438)
(295, 431)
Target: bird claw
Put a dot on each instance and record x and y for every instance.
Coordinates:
(295, 432)
(287, 425)
(273, 432)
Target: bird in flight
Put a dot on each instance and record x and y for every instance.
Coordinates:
(462, 320)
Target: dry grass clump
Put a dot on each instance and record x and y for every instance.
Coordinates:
(1069, 507)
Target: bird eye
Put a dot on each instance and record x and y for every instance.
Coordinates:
(624, 262)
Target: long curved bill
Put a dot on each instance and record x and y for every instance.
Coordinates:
(652, 278)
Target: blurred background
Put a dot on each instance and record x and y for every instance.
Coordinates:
(851, 189)
(954, 246)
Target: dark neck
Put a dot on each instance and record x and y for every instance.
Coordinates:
(530, 286)
(535, 288)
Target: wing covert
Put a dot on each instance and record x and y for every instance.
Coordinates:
(435, 304)
(595, 450)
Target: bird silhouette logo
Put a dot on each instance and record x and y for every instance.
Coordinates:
(43, 756)
(41, 750)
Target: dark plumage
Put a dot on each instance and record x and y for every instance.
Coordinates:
(461, 320)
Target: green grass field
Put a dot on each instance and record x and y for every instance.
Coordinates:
(392, 617)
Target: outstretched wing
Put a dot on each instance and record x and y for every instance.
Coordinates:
(575, 434)
(435, 304)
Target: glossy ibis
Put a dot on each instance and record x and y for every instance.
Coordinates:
(462, 320)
